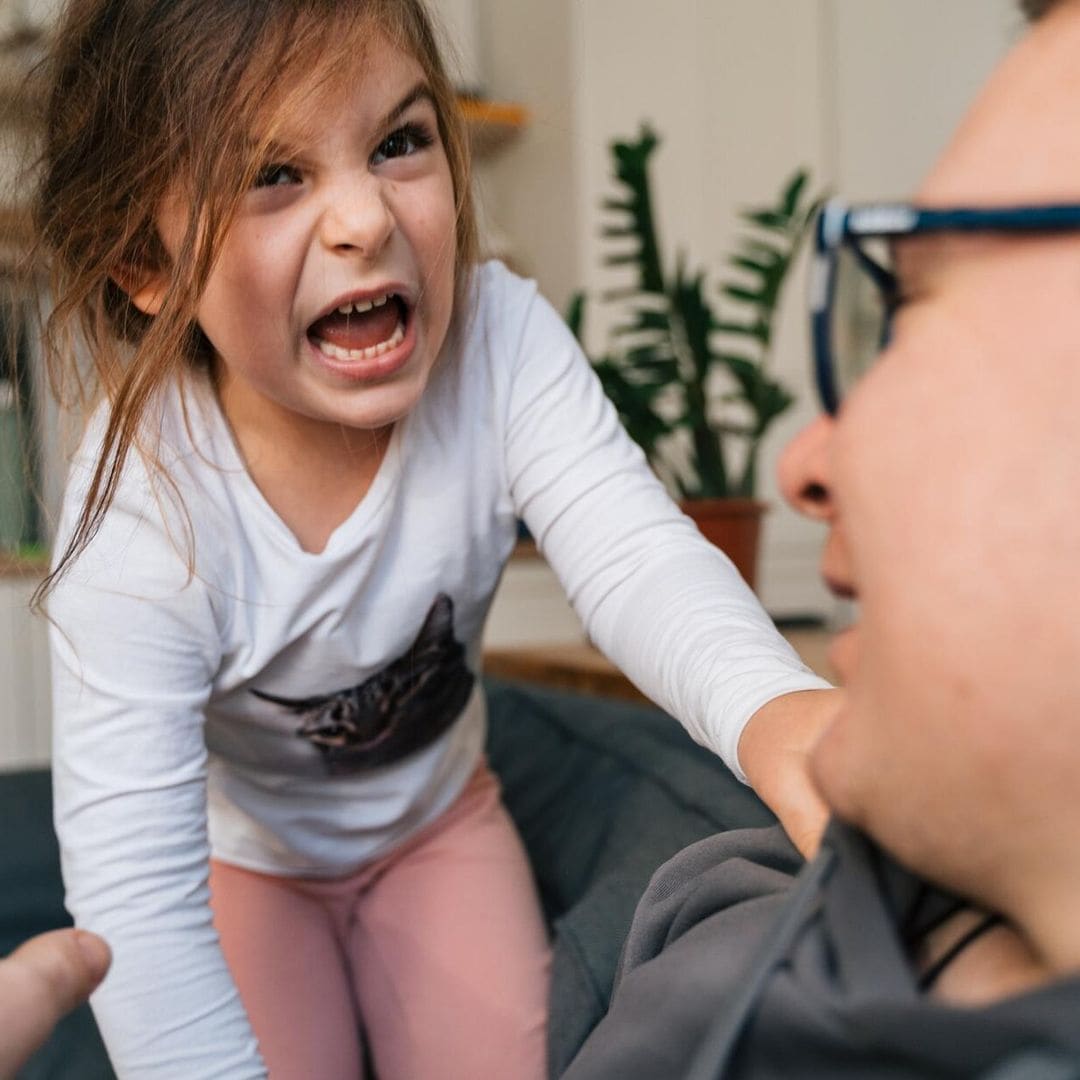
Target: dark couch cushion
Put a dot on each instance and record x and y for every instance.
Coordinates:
(603, 792)
(31, 902)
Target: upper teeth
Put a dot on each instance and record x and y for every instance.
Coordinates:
(360, 306)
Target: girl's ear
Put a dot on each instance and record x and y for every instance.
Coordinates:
(145, 288)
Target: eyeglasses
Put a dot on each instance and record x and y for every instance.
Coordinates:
(854, 291)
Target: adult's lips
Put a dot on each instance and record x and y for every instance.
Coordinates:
(839, 587)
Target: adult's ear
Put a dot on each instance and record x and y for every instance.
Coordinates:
(145, 288)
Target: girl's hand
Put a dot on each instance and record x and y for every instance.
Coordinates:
(774, 751)
(40, 982)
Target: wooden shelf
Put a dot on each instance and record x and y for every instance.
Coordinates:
(492, 124)
(580, 667)
(576, 667)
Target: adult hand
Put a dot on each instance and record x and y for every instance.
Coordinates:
(41, 981)
(774, 751)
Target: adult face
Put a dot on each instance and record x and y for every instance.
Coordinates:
(949, 483)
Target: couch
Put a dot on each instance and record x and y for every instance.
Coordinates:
(603, 792)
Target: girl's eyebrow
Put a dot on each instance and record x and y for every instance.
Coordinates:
(420, 92)
(275, 149)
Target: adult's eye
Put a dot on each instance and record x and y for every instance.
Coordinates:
(276, 175)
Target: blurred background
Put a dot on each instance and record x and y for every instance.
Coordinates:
(861, 93)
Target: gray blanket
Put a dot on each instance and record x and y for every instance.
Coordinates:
(743, 963)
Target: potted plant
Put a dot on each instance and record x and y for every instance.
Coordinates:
(692, 388)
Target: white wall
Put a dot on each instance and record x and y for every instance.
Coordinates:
(459, 22)
(531, 187)
(899, 74)
(24, 679)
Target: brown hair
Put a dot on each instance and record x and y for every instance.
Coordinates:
(148, 92)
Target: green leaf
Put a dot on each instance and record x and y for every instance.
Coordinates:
(634, 406)
(767, 219)
(657, 371)
(692, 311)
(663, 338)
(747, 296)
(709, 462)
(575, 315)
(789, 200)
(745, 371)
(646, 320)
(631, 160)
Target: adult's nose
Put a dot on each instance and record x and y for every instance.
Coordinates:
(803, 471)
(358, 218)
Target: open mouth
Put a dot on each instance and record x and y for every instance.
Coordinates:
(361, 329)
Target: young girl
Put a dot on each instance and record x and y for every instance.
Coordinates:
(319, 420)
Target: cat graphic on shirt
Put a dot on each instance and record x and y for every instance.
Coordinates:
(395, 712)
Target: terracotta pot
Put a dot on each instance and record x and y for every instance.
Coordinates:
(734, 526)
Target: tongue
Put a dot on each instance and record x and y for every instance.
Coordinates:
(358, 331)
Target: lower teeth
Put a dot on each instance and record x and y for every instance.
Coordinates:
(336, 352)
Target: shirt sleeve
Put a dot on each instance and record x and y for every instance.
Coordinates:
(134, 650)
(665, 605)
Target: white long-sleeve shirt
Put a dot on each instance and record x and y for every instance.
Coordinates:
(187, 601)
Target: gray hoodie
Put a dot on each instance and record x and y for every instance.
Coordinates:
(744, 963)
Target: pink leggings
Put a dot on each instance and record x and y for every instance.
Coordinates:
(438, 950)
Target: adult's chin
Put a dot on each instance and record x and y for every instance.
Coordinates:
(836, 772)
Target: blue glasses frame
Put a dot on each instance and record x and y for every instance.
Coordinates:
(841, 226)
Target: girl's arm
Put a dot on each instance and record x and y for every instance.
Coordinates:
(665, 605)
(134, 653)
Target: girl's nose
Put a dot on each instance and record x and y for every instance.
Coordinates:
(804, 470)
(357, 219)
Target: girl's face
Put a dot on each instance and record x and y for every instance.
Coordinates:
(334, 288)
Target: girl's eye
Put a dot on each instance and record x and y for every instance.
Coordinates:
(276, 175)
(406, 140)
